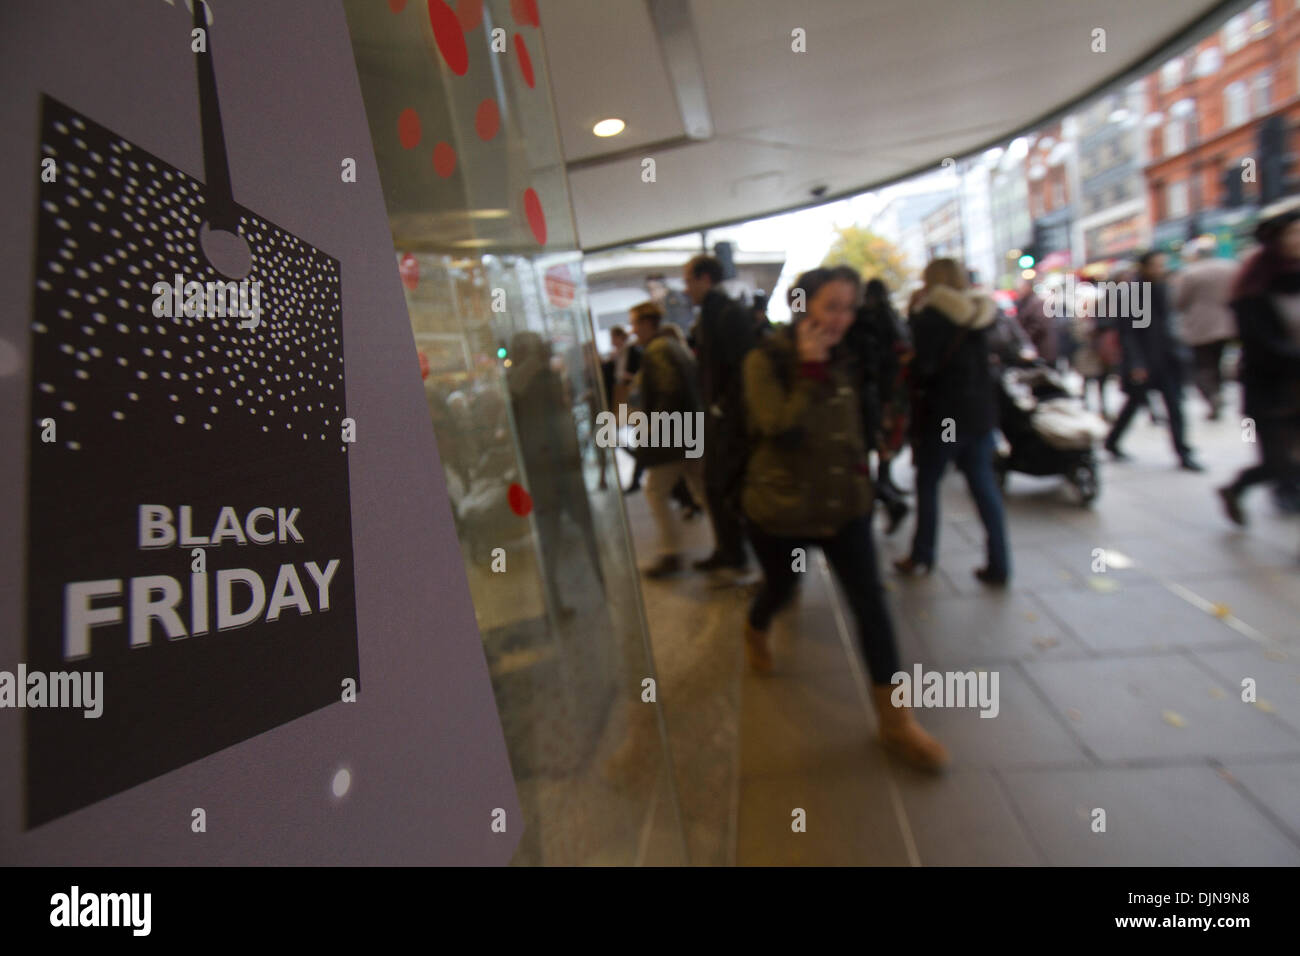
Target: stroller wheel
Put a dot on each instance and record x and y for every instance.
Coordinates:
(1085, 480)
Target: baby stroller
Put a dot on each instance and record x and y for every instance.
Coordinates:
(1048, 429)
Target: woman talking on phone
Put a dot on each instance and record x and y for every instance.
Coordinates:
(807, 484)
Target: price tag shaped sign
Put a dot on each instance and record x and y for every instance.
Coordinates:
(189, 533)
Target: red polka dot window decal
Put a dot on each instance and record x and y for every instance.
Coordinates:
(488, 119)
(450, 37)
(536, 217)
(469, 13)
(521, 502)
(525, 61)
(408, 128)
(444, 160)
(525, 12)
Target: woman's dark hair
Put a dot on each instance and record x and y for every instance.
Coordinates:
(876, 289)
(810, 284)
(1146, 257)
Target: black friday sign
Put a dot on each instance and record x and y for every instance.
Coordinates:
(199, 416)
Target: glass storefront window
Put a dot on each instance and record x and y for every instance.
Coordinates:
(469, 157)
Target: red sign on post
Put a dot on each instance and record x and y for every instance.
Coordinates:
(560, 288)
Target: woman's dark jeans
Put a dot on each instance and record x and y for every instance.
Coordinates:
(974, 459)
(852, 556)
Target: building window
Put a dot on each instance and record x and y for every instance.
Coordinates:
(1236, 104)
(1234, 33)
(1171, 74)
(1175, 137)
(1260, 23)
(1176, 200)
(1208, 61)
(1262, 92)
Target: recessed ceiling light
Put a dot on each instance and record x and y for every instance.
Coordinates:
(609, 127)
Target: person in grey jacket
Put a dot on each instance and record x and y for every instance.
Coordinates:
(1201, 293)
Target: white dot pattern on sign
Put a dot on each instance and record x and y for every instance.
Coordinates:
(146, 220)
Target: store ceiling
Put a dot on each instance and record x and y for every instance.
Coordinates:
(885, 88)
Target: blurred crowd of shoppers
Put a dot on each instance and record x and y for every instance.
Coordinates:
(1193, 319)
(795, 415)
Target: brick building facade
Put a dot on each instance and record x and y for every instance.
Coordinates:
(1209, 112)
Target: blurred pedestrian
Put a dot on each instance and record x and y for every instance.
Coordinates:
(1098, 355)
(1152, 361)
(1031, 313)
(626, 363)
(879, 341)
(808, 484)
(1201, 293)
(724, 334)
(681, 493)
(953, 414)
(666, 384)
(1266, 304)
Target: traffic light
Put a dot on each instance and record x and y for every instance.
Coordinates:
(1027, 260)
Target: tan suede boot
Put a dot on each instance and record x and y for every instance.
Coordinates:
(757, 650)
(900, 732)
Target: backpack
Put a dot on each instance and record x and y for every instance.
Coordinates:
(684, 399)
(745, 442)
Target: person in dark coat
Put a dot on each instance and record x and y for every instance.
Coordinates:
(877, 340)
(1152, 361)
(953, 414)
(1266, 303)
(724, 334)
(621, 368)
